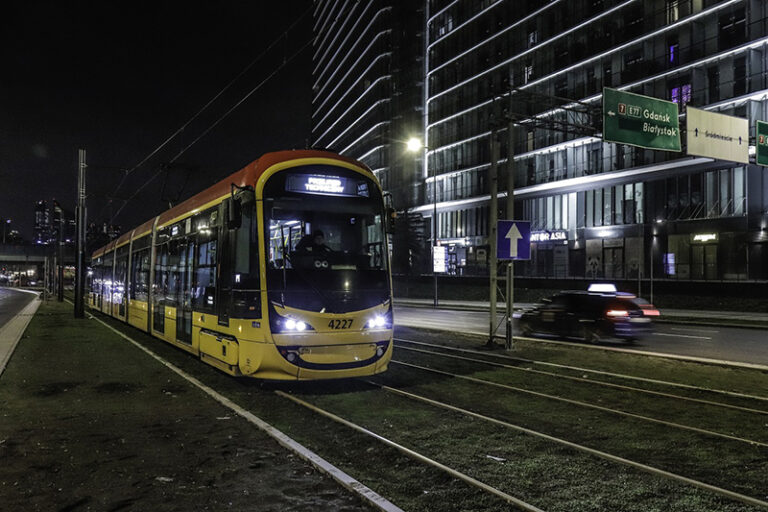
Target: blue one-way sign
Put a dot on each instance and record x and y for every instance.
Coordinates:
(513, 240)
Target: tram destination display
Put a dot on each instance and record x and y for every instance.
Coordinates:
(326, 185)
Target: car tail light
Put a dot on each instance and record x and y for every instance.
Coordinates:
(650, 312)
(617, 313)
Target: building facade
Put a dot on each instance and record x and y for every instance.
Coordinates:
(598, 210)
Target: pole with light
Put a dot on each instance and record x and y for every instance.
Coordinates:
(5, 226)
(414, 145)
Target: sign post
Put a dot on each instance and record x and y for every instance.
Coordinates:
(513, 240)
(640, 120)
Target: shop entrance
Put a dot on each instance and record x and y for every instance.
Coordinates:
(614, 262)
(704, 261)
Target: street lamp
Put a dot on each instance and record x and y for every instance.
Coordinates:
(414, 145)
(659, 222)
(5, 226)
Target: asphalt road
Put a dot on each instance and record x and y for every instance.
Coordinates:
(12, 301)
(711, 342)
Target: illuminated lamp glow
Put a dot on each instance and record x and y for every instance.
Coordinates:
(617, 313)
(602, 287)
(414, 144)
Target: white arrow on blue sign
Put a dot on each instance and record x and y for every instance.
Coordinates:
(513, 240)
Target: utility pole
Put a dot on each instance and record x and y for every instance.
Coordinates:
(510, 216)
(45, 278)
(80, 258)
(60, 268)
(494, 217)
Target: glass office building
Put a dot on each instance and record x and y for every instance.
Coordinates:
(598, 210)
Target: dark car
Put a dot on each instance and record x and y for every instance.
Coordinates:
(589, 316)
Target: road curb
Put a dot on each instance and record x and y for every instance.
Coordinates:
(11, 333)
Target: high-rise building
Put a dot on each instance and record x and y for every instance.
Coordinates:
(597, 209)
(42, 227)
(367, 86)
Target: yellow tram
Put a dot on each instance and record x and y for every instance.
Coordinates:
(281, 271)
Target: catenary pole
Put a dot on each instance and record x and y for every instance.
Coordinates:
(494, 216)
(60, 268)
(510, 216)
(81, 213)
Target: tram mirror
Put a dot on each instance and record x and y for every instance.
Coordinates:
(389, 222)
(234, 214)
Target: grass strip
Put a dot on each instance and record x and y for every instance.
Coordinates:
(553, 477)
(716, 461)
(729, 421)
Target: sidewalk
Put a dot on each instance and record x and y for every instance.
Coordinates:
(90, 422)
(729, 318)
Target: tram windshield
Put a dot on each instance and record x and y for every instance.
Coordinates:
(325, 240)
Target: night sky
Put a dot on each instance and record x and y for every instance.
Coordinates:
(118, 78)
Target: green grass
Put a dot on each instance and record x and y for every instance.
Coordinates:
(548, 475)
(87, 421)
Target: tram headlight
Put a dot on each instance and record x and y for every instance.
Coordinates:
(377, 321)
(291, 324)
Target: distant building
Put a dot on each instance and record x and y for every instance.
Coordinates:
(42, 227)
(598, 210)
(47, 224)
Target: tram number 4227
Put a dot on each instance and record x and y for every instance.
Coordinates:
(340, 323)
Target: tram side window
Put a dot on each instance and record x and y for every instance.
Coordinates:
(160, 286)
(204, 285)
(106, 276)
(173, 278)
(120, 268)
(140, 275)
(96, 278)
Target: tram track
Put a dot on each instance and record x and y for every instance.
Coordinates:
(651, 470)
(589, 381)
(585, 404)
(593, 371)
(581, 448)
(413, 454)
(335, 406)
(324, 463)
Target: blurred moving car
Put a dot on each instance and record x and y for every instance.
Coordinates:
(591, 316)
(648, 308)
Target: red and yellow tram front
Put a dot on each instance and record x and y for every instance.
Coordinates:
(326, 264)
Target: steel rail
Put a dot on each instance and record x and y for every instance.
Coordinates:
(596, 372)
(587, 381)
(597, 453)
(413, 454)
(587, 405)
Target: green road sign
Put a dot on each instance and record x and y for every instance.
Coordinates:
(762, 143)
(640, 121)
